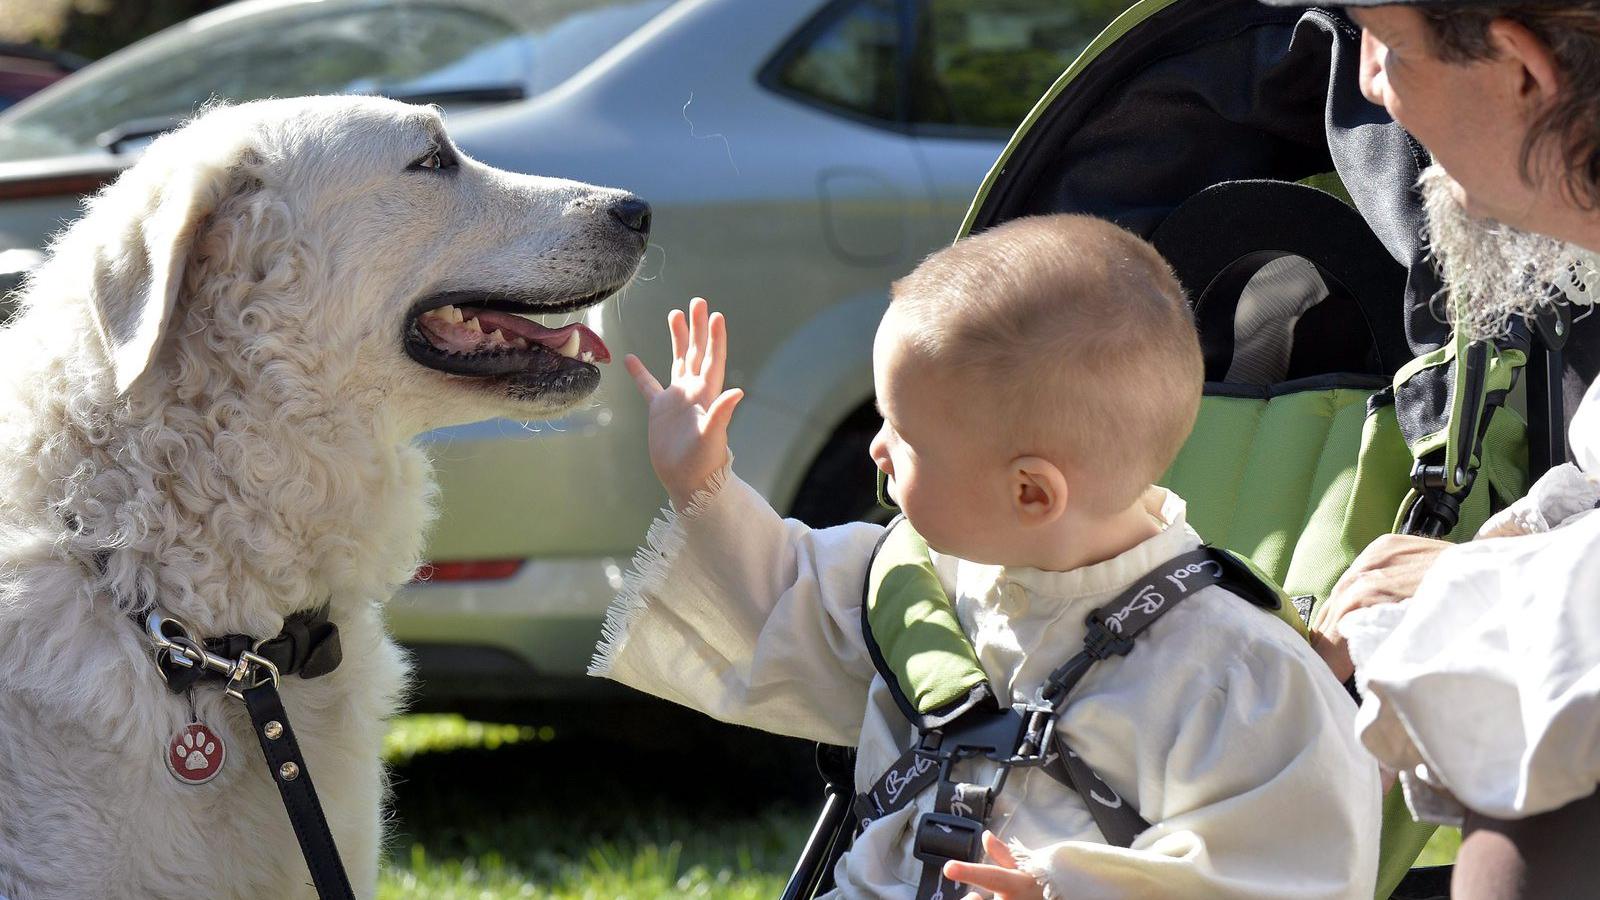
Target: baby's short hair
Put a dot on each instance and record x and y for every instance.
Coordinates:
(1077, 334)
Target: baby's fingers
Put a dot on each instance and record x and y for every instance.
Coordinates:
(647, 383)
(697, 335)
(716, 361)
(1006, 882)
(679, 326)
(998, 851)
(721, 411)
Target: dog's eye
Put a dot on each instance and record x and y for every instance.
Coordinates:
(435, 160)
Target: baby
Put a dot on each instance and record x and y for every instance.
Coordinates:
(1034, 382)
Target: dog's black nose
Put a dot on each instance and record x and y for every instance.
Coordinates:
(633, 213)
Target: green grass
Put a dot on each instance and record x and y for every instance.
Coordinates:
(644, 871)
(497, 811)
(485, 812)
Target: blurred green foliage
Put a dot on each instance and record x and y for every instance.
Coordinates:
(983, 63)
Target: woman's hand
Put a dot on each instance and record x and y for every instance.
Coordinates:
(1387, 571)
(689, 419)
(1005, 881)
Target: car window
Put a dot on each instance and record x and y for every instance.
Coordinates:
(849, 60)
(447, 52)
(984, 63)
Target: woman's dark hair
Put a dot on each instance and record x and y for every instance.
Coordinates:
(1572, 32)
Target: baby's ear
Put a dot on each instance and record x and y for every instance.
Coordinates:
(1038, 490)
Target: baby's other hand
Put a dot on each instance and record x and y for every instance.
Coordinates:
(1005, 881)
(689, 418)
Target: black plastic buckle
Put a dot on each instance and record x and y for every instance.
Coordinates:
(944, 836)
(1438, 509)
(1101, 642)
(994, 733)
(1000, 735)
(1018, 737)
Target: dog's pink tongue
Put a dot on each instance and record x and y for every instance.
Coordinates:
(553, 338)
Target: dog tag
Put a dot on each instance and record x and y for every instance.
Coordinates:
(195, 754)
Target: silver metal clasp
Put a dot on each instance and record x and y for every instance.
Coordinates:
(174, 641)
(240, 679)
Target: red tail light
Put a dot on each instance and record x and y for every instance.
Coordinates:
(467, 570)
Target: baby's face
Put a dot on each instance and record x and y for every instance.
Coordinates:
(943, 469)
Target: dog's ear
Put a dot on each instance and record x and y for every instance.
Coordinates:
(145, 228)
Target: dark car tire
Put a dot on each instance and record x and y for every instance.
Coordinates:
(841, 485)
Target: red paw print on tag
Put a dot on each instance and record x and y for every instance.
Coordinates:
(195, 754)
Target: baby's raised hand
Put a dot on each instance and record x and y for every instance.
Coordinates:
(1005, 881)
(689, 418)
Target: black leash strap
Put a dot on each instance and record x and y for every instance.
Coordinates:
(308, 646)
(289, 771)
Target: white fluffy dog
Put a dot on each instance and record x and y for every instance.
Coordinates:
(208, 403)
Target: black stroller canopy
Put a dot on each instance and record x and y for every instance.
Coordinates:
(1205, 92)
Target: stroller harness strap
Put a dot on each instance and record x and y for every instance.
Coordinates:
(959, 719)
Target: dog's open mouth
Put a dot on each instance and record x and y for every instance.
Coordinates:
(481, 336)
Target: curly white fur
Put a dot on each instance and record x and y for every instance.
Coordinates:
(205, 403)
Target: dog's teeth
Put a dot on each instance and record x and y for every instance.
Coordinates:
(473, 324)
(497, 337)
(570, 348)
(519, 343)
(588, 357)
(455, 315)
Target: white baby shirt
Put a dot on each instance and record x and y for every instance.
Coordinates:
(1222, 727)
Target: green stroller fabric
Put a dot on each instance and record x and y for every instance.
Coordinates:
(1298, 478)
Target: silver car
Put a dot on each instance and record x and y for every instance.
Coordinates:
(799, 155)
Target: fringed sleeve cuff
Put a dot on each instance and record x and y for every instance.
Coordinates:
(748, 617)
(648, 574)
